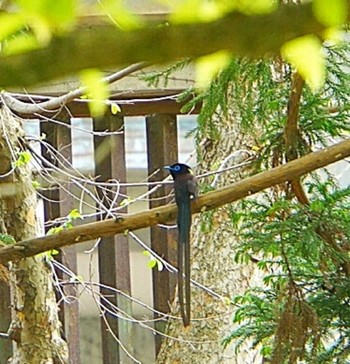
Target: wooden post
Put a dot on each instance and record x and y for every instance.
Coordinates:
(114, 261)
(162, 150)
(5, 320)
(59, 136)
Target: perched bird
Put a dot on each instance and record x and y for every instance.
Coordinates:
(186, 188)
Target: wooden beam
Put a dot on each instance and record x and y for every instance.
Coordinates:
(137, 106)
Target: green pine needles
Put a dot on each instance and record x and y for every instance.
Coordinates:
(302, 311)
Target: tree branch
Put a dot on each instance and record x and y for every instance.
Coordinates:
(55, 103)
(292, 135)
(209, 201)
(107, 46)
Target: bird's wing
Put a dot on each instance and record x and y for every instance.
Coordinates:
(192, 185)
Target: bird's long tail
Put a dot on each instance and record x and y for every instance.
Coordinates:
(184, 280)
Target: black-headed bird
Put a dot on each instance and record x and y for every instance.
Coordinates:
(186, 189)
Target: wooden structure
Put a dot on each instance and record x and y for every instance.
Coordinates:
(160, 110)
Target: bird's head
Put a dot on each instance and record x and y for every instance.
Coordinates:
(177, 169)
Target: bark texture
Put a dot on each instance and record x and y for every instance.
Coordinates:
(35, 328)
(213, 265)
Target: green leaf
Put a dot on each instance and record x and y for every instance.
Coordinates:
(74, 215)
(306, 55)
(10, 24)
(97, 90)
(7, 239)
(126, 201)
(67, 225)
(20, 44)
(189, 11)
(115, 108)
(209, 66)
(256, 6)
(330, 12)
(36, 185)
(120, 15)
(152, 263)
(23, 159)
(51, 14)
(55, 230)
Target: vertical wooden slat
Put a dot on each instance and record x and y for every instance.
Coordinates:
(59, 137)
(5, 320)
(114, 261)
(162, 150)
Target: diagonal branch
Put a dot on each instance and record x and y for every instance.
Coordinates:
(209, 201)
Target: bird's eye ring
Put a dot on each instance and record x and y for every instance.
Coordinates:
(177, 168)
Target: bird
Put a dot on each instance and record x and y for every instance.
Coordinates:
(186, 189)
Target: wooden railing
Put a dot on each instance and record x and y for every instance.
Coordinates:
(113, 252)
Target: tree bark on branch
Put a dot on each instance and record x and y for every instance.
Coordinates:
(164, 214)
(108, 46)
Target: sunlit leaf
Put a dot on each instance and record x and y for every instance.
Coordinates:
(115, 108)
(21, 43)
(126, 201)
(23, 159)
(187, 11)
(54, 230)
(151, 263)
(10, 24)
(74, 215)
(257, 6)
(334, 35)
(56, 15)
(208, 67)
(97, 90)
(120, 15)
(306, 55)
(36, 185)
(330, 12)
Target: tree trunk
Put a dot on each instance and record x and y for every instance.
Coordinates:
(213, 265)
(35, 327)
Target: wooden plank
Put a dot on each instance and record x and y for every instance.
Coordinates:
(129, 107)
(162, 150)
(59, 136)
(114, 261)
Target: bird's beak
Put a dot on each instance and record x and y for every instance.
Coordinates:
(167, 168)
